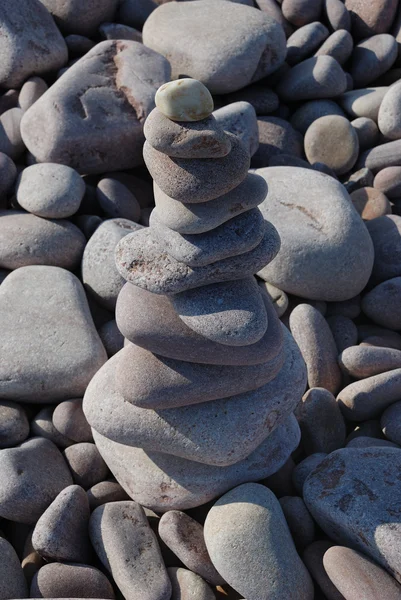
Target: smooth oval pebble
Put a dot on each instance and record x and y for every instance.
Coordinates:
(249, 542)
(12, 580)
(86, 464)
(385, 233)
(69, 419)
(382, 304)
(367, 132)
(389, 113)
(32, 90)
(42, 426)
(364, 102)
(308, 112)
(317, 77)
(184, 100)
(365, 361)
(104, 492)
(299, 520)
(337, 14)
(301, 12)
(10, 133)
(371, 58)
(344, 331)
(14, 424)
(304, 41)
(388, 181)
(333, 141)
(321, 422)
(339, 45)
(391, 423)
(239, 118)
(370, 203)
(313, 559)
(116, 200)
(74, 580)
(186, 585)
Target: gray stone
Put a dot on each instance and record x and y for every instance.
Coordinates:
(11, 142)
(30, 42)
(363, 103)
(56, 580)
(32, 90)
(12, 580)
(204, 216)
(270, 8)
(32, 475)
(198, 139)
(304, 41)
(382, 304)
(389, 119)
(322, 424)
(371, 58)
(364, 361)
(313, 559)
(382, 156)
(250, 544)
(276, 136)
(128, 548)
(344, 331)
(104, 492)
(224, 59)
(186, 584)
(308, 112)
(62, 350)
(239, 118)
(111, 337)
(14, 424)
(186, 484)
(86, 464)
(361, 178)
(141, 260)
(116, 200)
(323, 239)
(231, 313)
(317, 77)
(117, 31)
(236, 236)
(80, 18)
(385, 232)
(201, 179)
(367, 398)
(137, 315)
(301, 12)
(299, 520)
(353, 495)
(184, 536)
(277, 296)
(304, 468)
(388, 181)
(391, 422)
(61, 533)
(202, 432)
(333, 141)
(99, 272)
(69, 420)
(8, 173)
(42, 426)
(92, 118)
(339, 45)
(26, 239)
(367, 132)
(50, 190)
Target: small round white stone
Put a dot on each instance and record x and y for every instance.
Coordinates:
(184, 100)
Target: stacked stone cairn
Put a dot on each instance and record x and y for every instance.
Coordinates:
(201, 397)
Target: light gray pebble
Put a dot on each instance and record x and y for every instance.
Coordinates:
(69, 420)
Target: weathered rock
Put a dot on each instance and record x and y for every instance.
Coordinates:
(304, 468)
(30, 42)
(224, 60)
(92, 118)
(321, 422)
(241, 533)
(128, 548)
(308, 112)
(332, 141)
(33, 321)
(32, 475)
(278, 297)
(56, 580)
(317, 77)
(86, 464)
(12, 580)
(318, 228)
(14, 424)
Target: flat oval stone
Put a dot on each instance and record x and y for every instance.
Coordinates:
(29, 240)
(333, 141)
(230, 313)
(308, 112)
(372, 57)
(204, 139)
(385, 232)
(42, 426)
(31, 319)
(301, 12)
(356, 576)
(12, 580)
(382, 156)
(184, 536)
(116, 200)
(141, 326)
(128, 548)
(225, 60)
(352, 495)
(185, 431)
(388, 181)
(26, 488)
(323, 239)
(344, 331)
(313, 559)
(185, 584)
(241, 533)
(365, 361)
(86, 464)
(32, 90)
(367, 132)
(337, 14)
(317, 77)
(186, 483)
(205, 216)
(239, 118)
(14, 424)
(69, 419)
(104, 492)
(99, 272)
(339, 45)
(370, 203)
(363, 103)
(389, 119)
(50, 190)
(304, 41)
(382, 304)
(141, 260)
(367, 21)
(236, 236)
(61, 533)
(198, 180)
(75, 580)
(367, 398)
(184, 100)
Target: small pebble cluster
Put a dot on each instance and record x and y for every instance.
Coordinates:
(200, 299)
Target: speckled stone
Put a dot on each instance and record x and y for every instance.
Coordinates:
(317, 77)
(304, 468)
(243, 320)
(382, 304)
(186, 585)
(319, 229)
(61, 533)
(363, 103)
(321, 422)
(33, 320)
(367, 398)
(143, 261)
(333, 141)
(176, 340)
(339, 45)
(50, 190)
(128, 548)
(86, 464)
(241, 533)
(236, 236)
(184, 100)
(26, 488)
(205, 216)
(201, 179)
(371, 58)
(203, 139)
(116, 200)
(186, 484)
(56, 580)
(352, 496)
(184, 536)
(185, 431)
(364, 361)
(12, 580)
(304, 41)
(225, 60)
(239, 118)
(299, 520)
(69, 419)
(308, 112)
(14, 424)
(344, 331)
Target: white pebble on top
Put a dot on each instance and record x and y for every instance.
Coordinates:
(184, 100)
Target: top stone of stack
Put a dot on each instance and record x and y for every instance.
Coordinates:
(184, 100)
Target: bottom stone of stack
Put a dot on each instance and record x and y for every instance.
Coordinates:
(164, 482)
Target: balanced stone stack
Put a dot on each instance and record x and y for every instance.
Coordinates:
(201, 397)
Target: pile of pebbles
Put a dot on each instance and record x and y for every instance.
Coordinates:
(200, 299)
